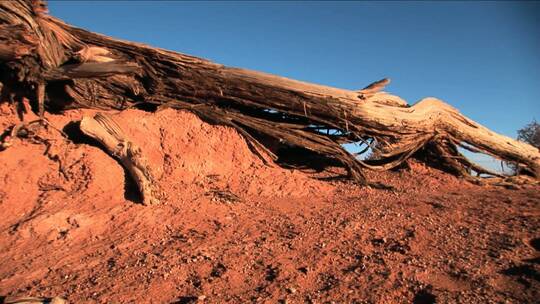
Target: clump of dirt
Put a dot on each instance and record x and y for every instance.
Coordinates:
(234, 229)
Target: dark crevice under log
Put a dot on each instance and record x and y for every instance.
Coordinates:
(81, 69)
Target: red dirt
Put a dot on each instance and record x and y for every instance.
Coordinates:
(233, 229)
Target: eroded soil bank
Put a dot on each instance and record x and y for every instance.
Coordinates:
(232, 229)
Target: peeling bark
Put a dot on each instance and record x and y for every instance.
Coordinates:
(83, 69)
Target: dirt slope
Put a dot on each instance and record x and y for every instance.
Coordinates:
(233, 229)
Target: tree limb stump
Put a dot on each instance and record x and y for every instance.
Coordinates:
(108, 133)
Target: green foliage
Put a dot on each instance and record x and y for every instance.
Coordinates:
(530, 134)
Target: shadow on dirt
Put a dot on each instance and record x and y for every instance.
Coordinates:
(524, 271)
(305, 160)
(186, 300)
(424, 296)
(535, 243)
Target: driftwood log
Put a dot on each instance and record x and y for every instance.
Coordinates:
(59, 67)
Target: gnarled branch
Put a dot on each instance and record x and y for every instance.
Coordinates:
(106, 131)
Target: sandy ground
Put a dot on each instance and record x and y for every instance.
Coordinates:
(234, 230)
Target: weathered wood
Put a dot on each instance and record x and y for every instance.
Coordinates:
(106, 131)
(84, 69)
(33, 300)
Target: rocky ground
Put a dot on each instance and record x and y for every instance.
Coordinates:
(234, 230)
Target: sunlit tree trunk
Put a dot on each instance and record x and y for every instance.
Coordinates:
(59, 66)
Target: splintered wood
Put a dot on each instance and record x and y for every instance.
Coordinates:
(81, 69)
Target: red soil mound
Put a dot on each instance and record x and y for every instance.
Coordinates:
(232, 229)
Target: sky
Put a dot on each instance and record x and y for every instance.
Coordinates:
(481, 57)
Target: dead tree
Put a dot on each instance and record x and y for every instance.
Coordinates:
(58, 67)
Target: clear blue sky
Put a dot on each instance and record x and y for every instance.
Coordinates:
(481, 57)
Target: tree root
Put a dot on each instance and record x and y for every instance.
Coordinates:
(106, 131)
(74, 68)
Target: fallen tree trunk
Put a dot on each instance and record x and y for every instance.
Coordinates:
(77, 68)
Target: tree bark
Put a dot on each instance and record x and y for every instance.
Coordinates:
(83, 69)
